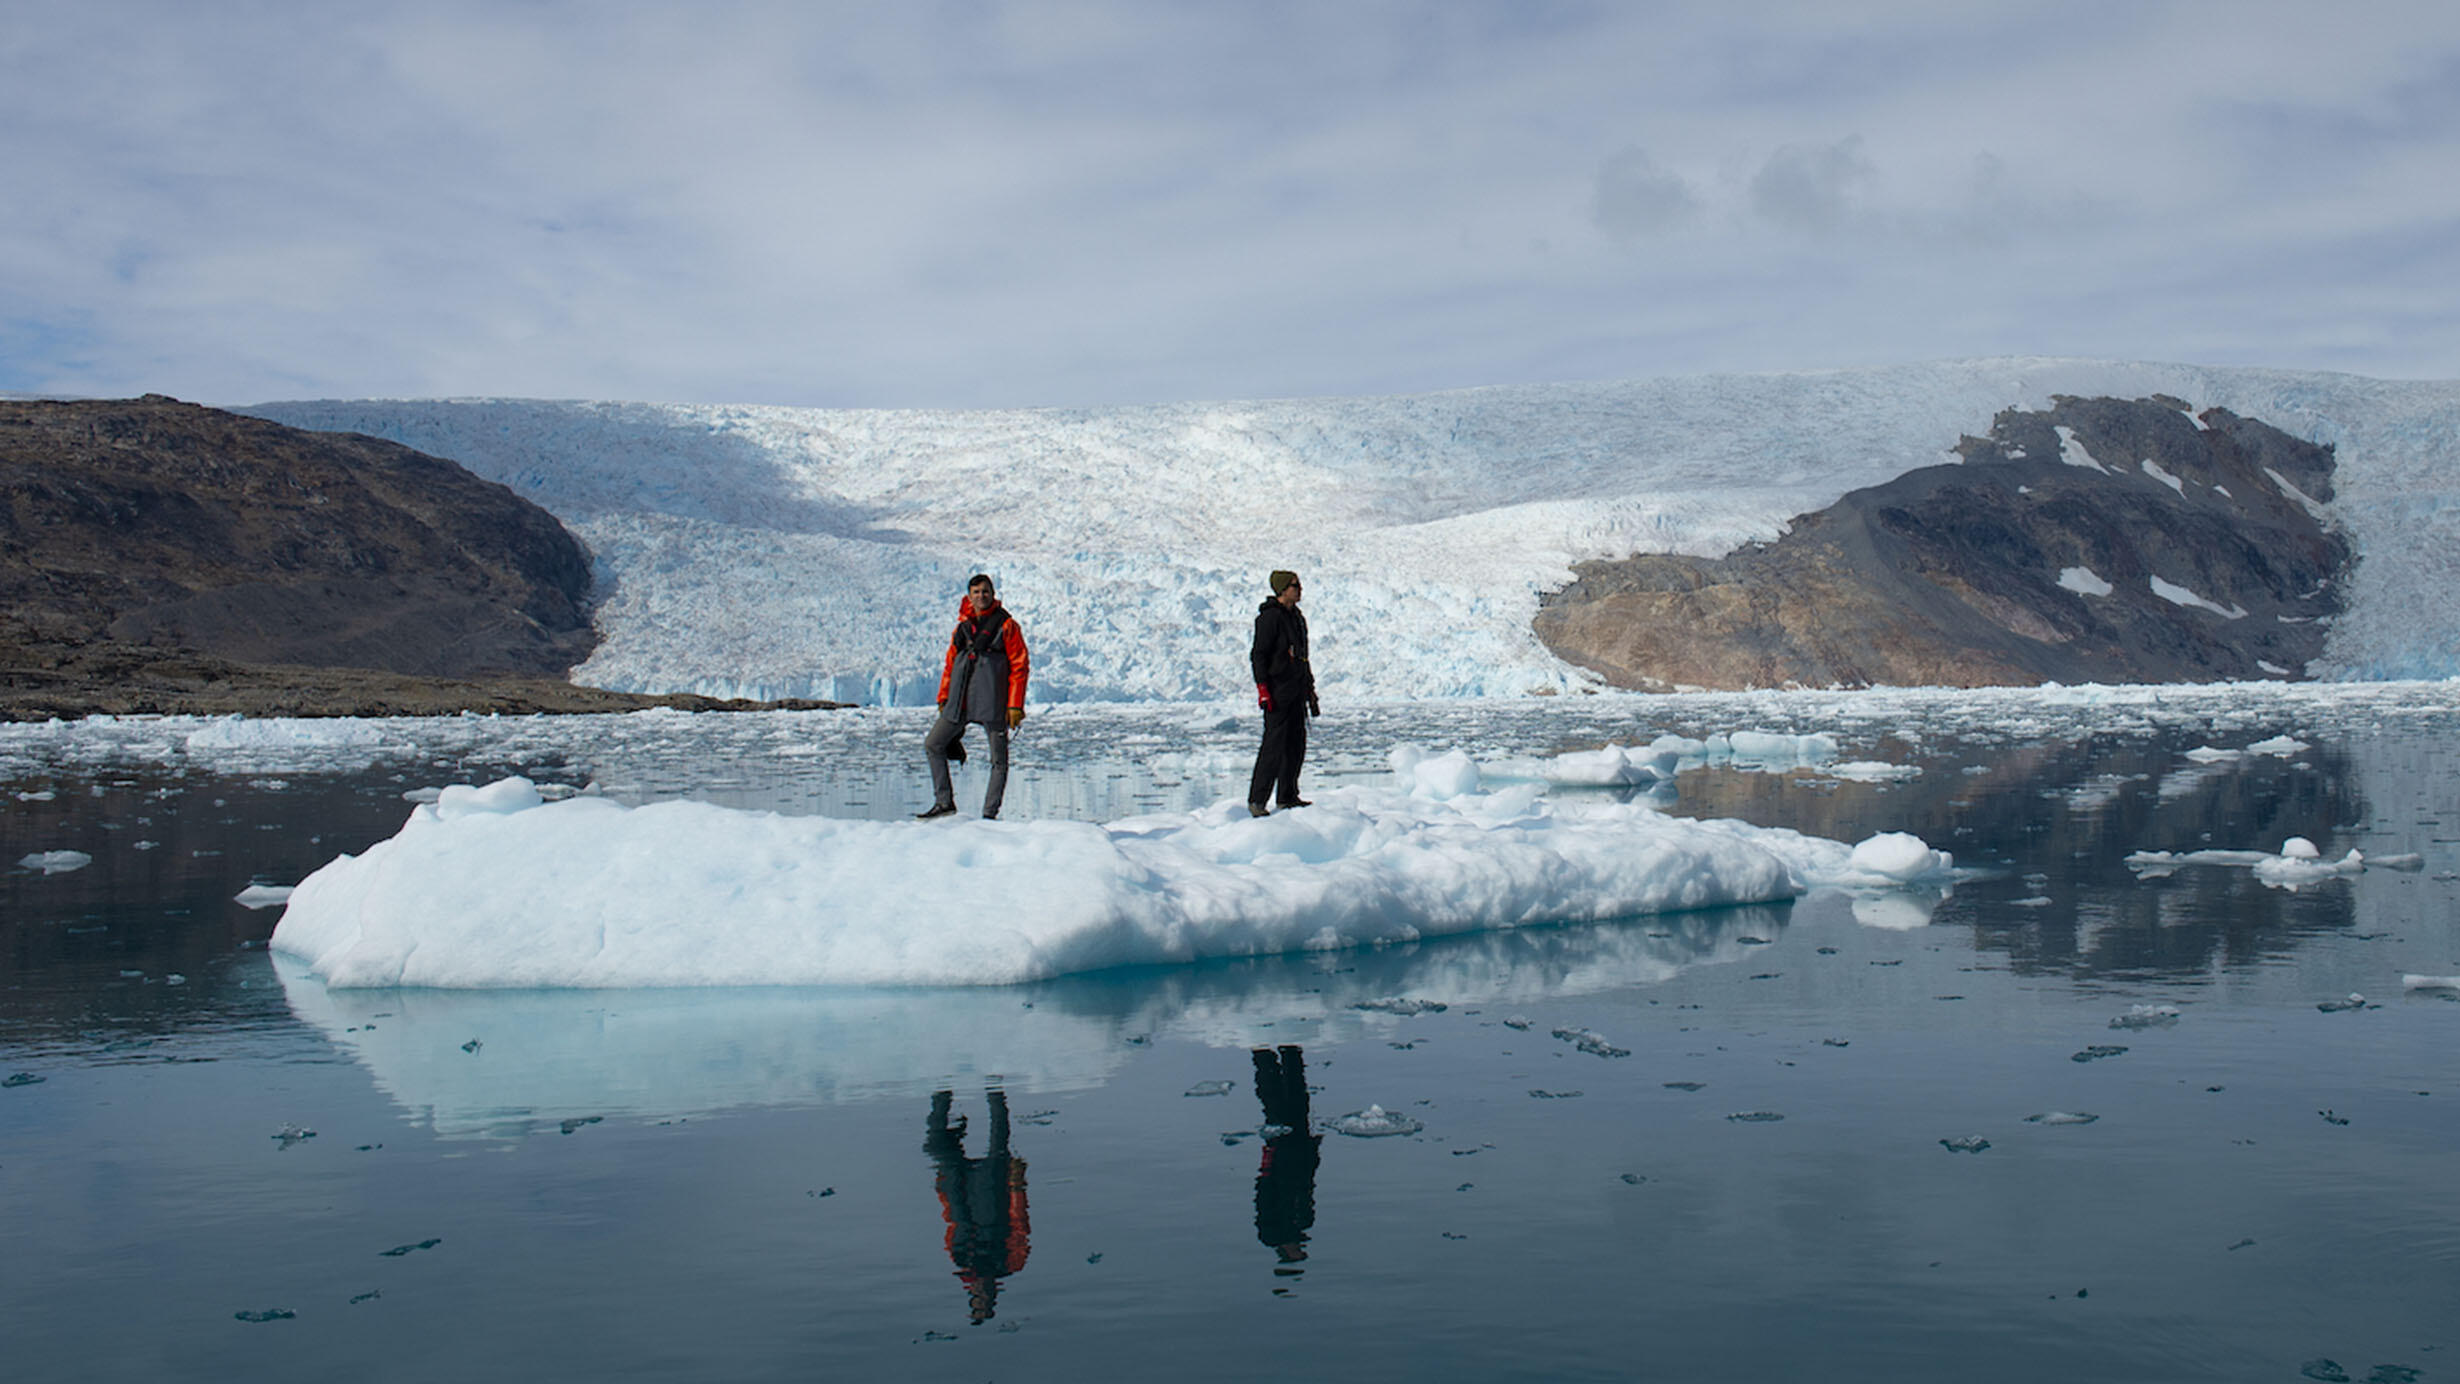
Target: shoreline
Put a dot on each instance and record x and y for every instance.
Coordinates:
(61, 681)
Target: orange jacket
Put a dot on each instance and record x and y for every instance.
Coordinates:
(1012, 644)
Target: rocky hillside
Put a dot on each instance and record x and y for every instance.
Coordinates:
(2100, 540)
(161, 556)
(159, 523)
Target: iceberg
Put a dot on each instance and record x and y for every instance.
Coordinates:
(494, 887)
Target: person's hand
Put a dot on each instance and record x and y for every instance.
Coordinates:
(943, 701)
(1313, 709)
(1016, 717)
(1264, 696)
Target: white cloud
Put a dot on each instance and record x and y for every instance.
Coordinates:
(1812, 188)
(1635, 198)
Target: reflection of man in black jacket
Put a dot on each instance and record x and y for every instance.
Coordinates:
(1285, 1179)
(983, 1200)
(1285, 688)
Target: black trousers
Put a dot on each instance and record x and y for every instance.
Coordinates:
(1283, 751)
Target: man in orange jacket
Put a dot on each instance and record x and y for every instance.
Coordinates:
(982, 682)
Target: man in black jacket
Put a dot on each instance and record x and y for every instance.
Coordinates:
(1285, 688)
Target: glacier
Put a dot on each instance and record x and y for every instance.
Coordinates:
(773, 552)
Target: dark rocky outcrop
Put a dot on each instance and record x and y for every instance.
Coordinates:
(161, 556)
(1993, 571)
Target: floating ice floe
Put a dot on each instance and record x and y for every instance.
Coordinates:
(2418, 982)
(1591, 1042)
(1970, 1143)
(2061, 1117)
(1404, 1007)
(1873, 771)
(56, 862)
(1211, 1088)
(1614, 766)
(284, 733)
(2298, 863)
(1374, 1122)
(263, 895)
(2147, 1016)
(494, 887)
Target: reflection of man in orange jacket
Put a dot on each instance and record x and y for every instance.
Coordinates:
(983, 1201)
(982, 682)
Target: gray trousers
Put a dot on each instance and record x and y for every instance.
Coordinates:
(944, 732)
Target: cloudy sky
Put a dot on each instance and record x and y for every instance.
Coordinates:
(988, 203)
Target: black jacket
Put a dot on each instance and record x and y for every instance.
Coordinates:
(1279, 657)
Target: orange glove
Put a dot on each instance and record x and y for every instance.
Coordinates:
(1016, 717)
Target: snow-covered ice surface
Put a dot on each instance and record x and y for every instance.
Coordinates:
(492, 887)
(800, 552)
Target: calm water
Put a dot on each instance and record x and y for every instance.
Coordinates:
(771, 1184)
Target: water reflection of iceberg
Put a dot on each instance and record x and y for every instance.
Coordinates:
(498, 1063)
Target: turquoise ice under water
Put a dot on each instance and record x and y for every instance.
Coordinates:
(1999, 1156)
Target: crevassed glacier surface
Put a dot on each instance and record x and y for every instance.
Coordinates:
(809, 552)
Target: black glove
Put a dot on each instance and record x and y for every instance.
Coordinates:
(1313, 708)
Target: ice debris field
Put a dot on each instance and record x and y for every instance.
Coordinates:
(494, 886)
(775, 552)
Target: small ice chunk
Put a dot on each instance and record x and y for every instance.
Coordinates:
(262, 895)
(56, 862)
(1404, 1007)
(2299, 848)
(21, 1079)
(1211, 1088)
(1873, 771)
(2281, 745)
(2342, 1006)
(1374, 1122)
(290, 1134)
(1755, 1117)
(2094, 1052)
(2147, 1016)
(1897, 857)
(1518, 1021)
(2061, 1117)
(1970, 1143)
(2418, 982)
(2212, 754)
(1590, 1041)
(421, 795)
(2288, 871)
(268, 1314)
(503, 796)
